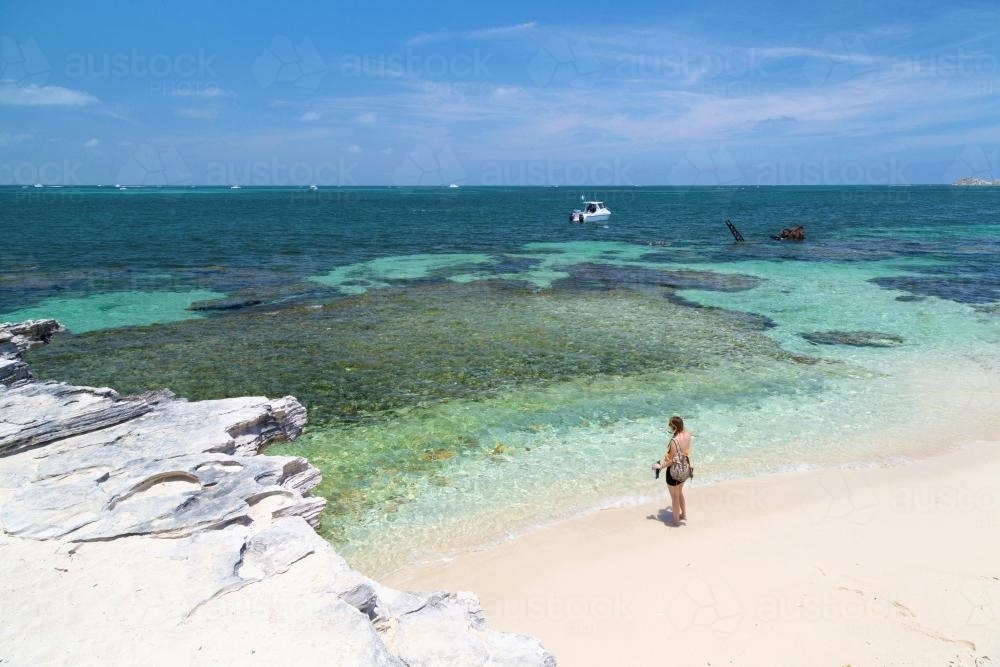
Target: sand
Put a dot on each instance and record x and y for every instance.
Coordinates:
(892, 565)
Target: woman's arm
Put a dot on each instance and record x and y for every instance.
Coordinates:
(667, 458)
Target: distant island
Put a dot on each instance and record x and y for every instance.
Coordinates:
(973, 180)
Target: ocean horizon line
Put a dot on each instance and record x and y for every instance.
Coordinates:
(382, 186)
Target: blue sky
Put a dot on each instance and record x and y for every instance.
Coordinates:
(626, 93)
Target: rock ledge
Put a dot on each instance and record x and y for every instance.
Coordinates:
(102, 477)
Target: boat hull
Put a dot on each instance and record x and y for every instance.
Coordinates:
(589, 217)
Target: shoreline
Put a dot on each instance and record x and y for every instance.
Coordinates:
(882, 564)
(879, 451)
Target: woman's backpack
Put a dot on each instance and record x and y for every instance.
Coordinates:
(680, 465)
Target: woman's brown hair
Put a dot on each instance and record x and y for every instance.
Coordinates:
(676, 424)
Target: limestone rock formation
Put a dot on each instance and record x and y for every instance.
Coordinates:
(15, 339)
(200, 531)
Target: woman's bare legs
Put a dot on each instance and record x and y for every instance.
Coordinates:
(675, 504)
(684, 509)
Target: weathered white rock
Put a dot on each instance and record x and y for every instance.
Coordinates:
(17, 338)
(21, 336)
(106, 479)
(13, 370)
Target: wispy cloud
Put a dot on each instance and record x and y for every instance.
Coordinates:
(44, 96)
(765, 91)
(91, 143)
(196, 113)
(524, 122)
(6, 138)
(207, 92)
(496, 32)
(117, 114)
(428, 37)
(500, 31)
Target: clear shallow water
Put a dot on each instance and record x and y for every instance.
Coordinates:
(474, 365)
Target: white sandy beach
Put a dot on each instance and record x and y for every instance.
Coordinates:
(894, 565)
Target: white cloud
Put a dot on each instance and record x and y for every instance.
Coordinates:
(367, 117)
(117, 115)
(309, 116)
(500, 31)
(506, 91)
(481, 33)
(629, 120)
(91, 143)
(428, 37)
(354, 148)
(198, 114)
(8, 138)
(44, 96)
(208, 92)
(387, 150)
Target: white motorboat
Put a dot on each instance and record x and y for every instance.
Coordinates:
(313, 188)
(235, 187)
(592, 211)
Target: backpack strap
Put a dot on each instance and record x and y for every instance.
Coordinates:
(678, 454)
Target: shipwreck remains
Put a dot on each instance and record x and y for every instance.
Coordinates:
(796, 233)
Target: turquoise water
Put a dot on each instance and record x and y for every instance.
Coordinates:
(474, 365)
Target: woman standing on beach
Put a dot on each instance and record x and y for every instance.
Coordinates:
(678, 449)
